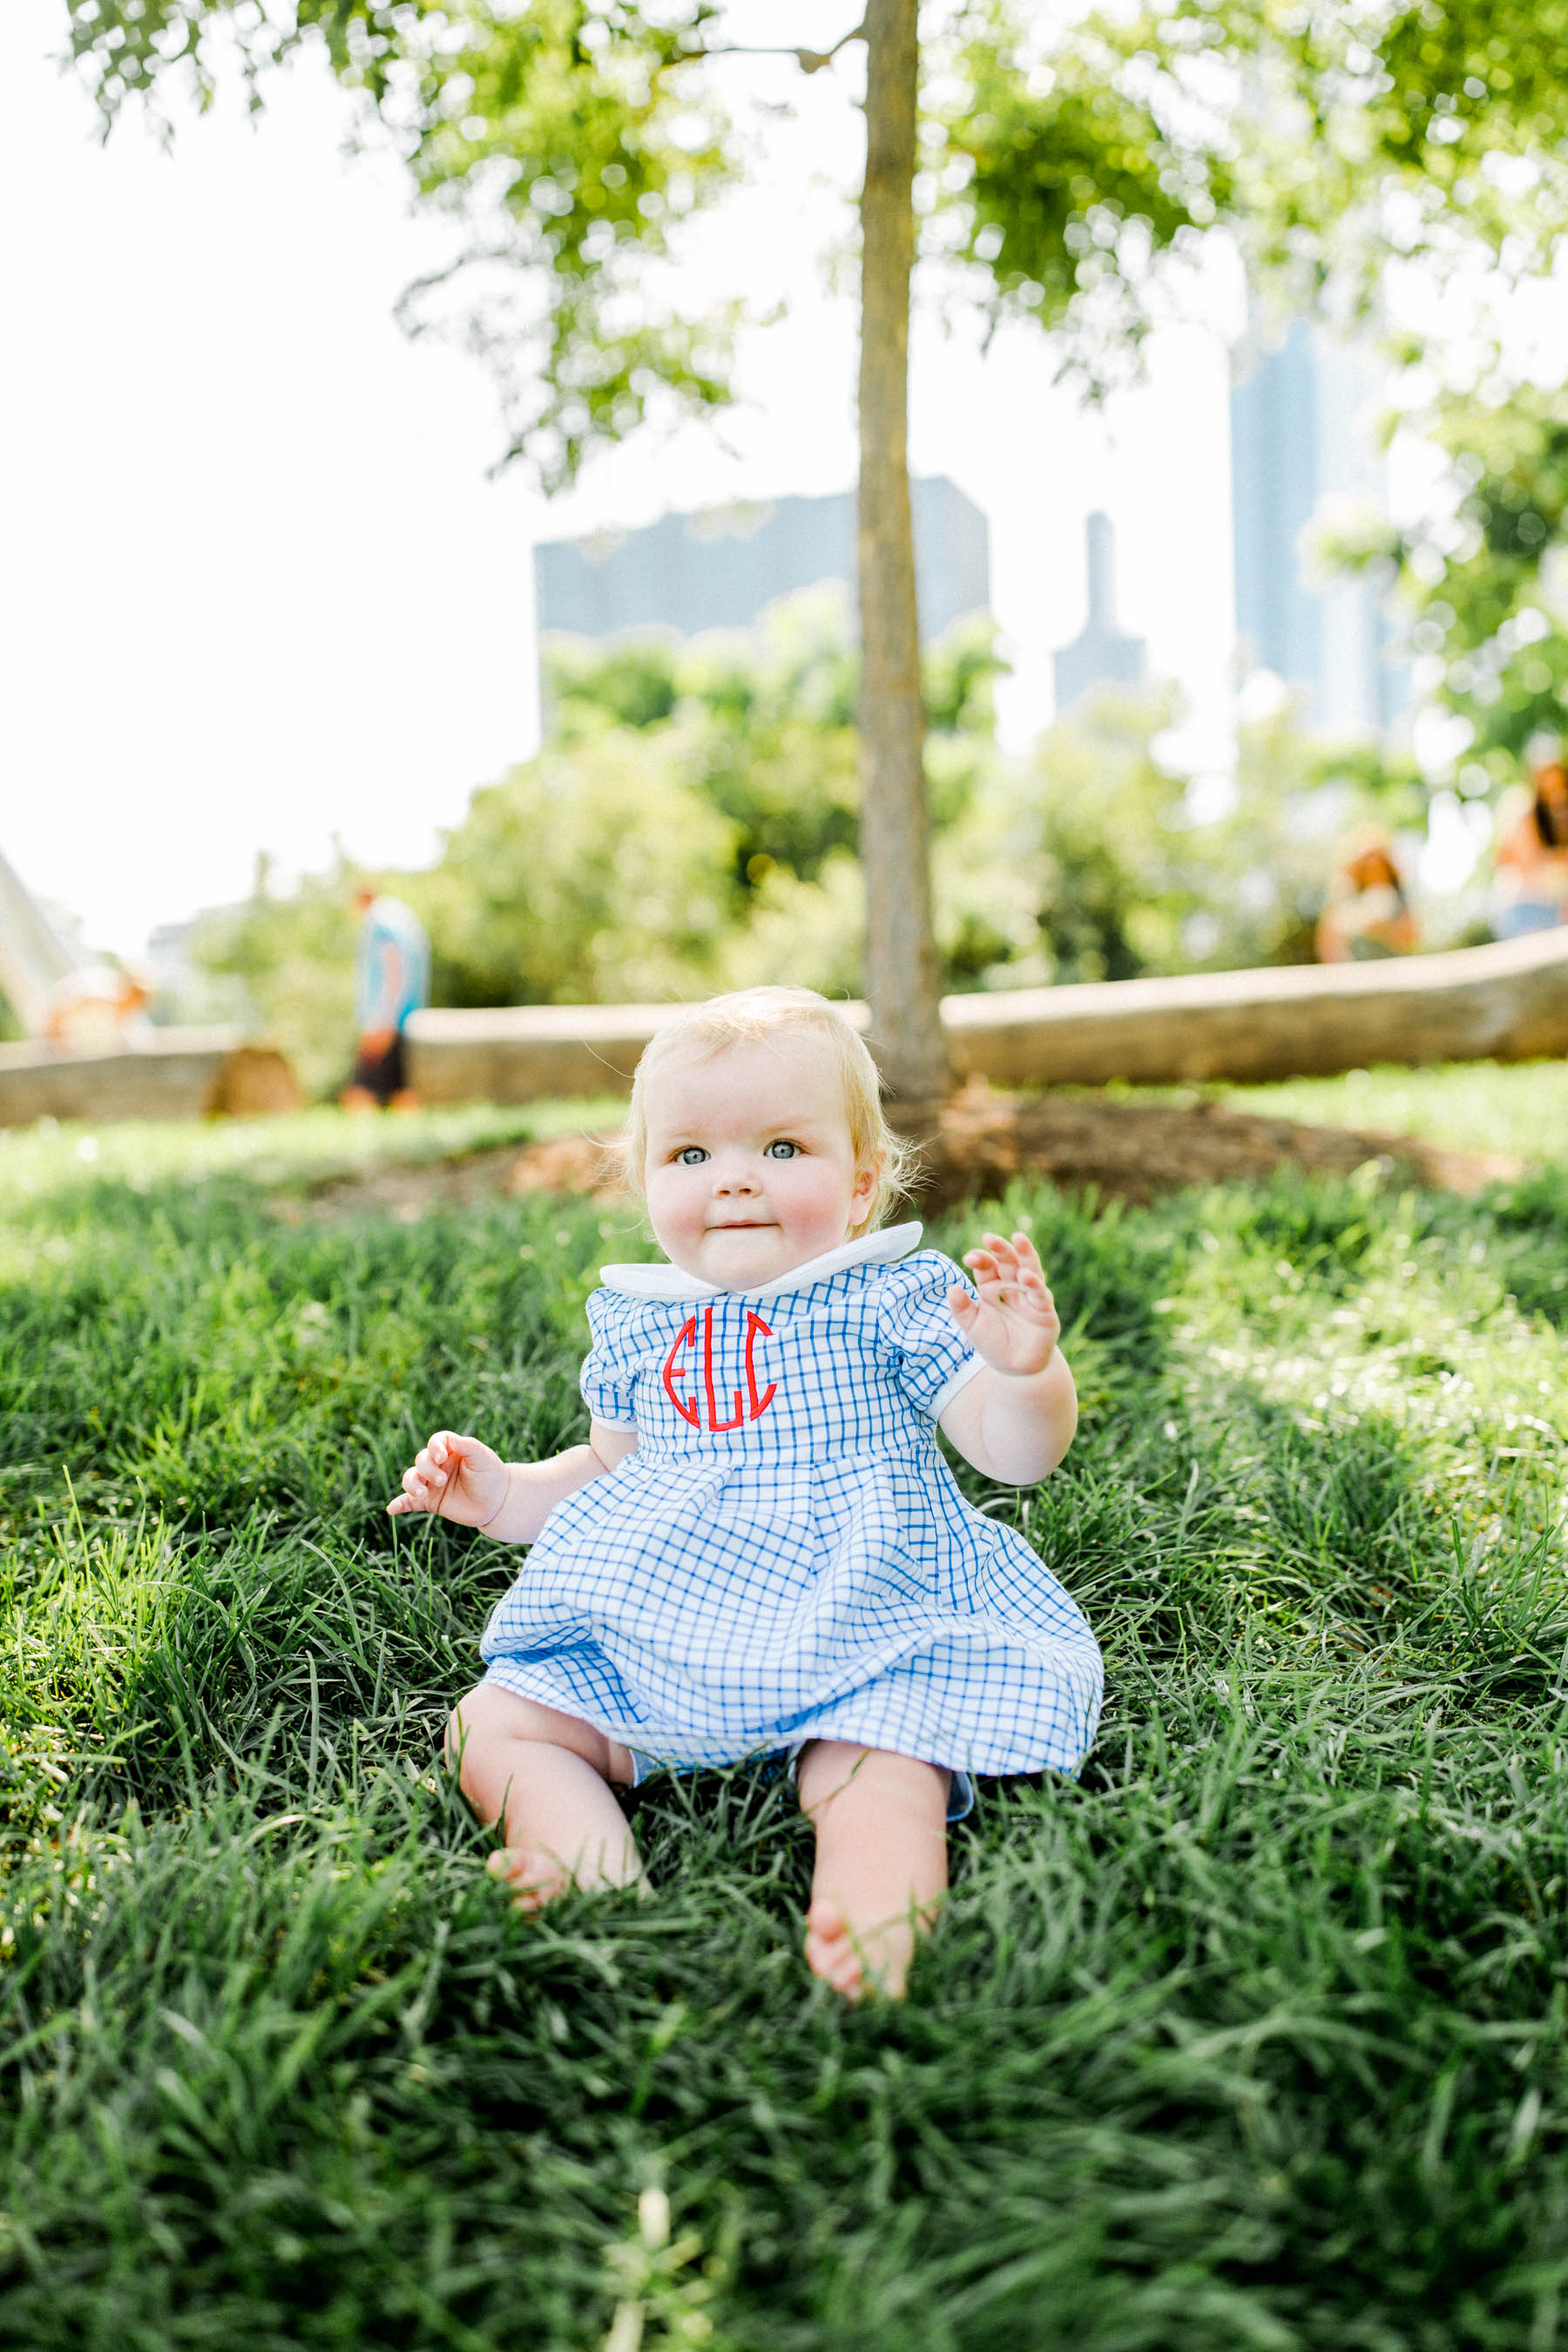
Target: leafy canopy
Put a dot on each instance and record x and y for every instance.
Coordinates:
(573, 143)
(1485, 570)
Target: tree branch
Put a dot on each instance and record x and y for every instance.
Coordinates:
(809, 60)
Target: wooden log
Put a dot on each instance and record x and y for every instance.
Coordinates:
(525, 1051)
(1507, 1002)
(173, 1074)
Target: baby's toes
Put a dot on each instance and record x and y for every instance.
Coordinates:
(533, 1879)
(824, 1920)
(830, 1951)
(846, 1974)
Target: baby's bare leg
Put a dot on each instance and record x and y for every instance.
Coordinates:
(881, 1862)
(545, 1778)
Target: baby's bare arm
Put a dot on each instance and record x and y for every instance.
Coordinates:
(456, 1478)
(1014, 1427)
(535, 1488)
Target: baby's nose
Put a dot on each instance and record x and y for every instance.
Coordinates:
(733, 1176)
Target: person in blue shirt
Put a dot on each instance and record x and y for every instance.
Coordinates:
(394, 982)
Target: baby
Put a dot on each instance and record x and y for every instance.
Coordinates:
(760, 1547)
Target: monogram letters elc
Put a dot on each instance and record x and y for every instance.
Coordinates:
(678, 1374)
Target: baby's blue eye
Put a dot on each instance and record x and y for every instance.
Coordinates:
(783, 1150)
(692, 1156)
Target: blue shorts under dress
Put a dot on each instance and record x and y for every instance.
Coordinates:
(786, 1557)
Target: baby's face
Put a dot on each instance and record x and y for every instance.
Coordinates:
(750, 1169)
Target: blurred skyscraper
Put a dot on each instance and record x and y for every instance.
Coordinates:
(1099, 655)
(719, 569)
(1300, 434)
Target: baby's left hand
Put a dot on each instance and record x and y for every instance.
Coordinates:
(1013, 1325)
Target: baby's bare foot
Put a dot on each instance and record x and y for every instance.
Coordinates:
(855, 1959)
(534, 1879)
(537, 1877)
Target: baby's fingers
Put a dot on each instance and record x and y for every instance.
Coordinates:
(449, 1450)
(437, 1471)
(982, 1265)
(1021, 1267)
(410, 1501)
(422, 1487)
(1029, 1257)
(1004, 1271)
(1016, 1256)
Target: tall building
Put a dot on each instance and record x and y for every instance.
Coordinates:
(1300, 434)
(719, 569)
(1099, 655)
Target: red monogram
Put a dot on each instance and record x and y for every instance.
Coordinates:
(677, 1374)
(759, 1403)
(672, 1372)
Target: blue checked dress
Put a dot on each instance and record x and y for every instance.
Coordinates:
(786, 1556)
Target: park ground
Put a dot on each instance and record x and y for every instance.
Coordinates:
(1255, 2037)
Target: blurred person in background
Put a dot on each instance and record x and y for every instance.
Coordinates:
(1530, 889)
(393, 979)
(98, 1009)
(1368, 914)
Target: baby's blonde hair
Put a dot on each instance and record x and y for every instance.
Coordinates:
(752, 1016)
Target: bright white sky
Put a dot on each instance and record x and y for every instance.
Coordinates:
(259, 591)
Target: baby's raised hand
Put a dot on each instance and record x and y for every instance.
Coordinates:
(1013, 1325)
(456, 1478)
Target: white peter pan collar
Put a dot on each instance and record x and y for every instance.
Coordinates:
(668, 1283)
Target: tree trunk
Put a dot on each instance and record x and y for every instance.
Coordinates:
(901, 974)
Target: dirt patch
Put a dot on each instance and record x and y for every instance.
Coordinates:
(1126, 1150)
(404, 1191)
(567, 1164)
(1133, 1150)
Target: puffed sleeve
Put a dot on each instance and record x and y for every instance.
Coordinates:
(609, 1369)
(935, 1359)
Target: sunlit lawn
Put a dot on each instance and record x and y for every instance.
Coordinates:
(1256, 2038)
(1474, 1107)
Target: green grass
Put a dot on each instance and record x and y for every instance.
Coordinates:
(295, 1152)
(1257, 2037)
(1469, 1106)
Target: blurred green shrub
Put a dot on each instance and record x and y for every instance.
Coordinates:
(1483, 573)
(599, 872)
(295, 955)
(1095, 858)
(690, 825)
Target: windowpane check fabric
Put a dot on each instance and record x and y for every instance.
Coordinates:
(786, 1556)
